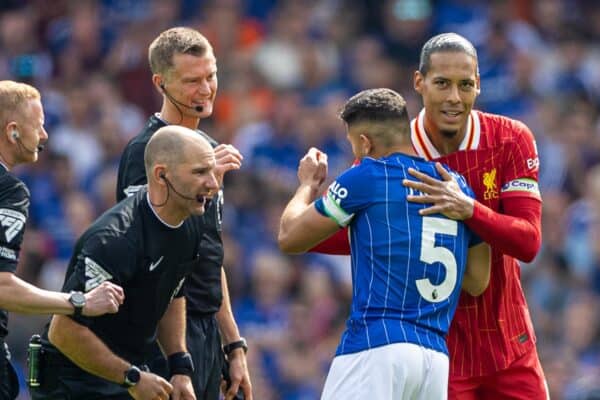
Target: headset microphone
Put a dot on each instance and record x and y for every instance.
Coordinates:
(17, 137)
(176, 102)
(163, 176)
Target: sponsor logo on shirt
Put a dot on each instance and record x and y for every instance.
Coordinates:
(489, 181)
(155, 264)
(8, 253)
(13, 222)
(94, 274)
(338, 192)
(522, 185)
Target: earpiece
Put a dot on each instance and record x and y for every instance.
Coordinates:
(161, 175)
(15, 134)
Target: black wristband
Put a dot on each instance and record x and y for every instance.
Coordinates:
(181, 364)
(228, 348)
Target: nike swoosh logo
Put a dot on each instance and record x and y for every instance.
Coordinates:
(155, 264)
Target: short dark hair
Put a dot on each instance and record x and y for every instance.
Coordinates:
(384, 109)
(445, 42)
(179, 40)
(374, 105)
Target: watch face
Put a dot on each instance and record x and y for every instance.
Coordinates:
(133, 376)
(77, 299)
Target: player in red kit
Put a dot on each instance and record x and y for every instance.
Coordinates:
(491, 339)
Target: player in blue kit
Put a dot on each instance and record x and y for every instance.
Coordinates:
(407, 269)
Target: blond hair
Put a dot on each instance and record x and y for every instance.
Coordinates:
(13, 96)
(179, 40)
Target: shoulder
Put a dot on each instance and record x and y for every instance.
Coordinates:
(206, 136)
(116, 227)
(13, 193)
(504, 129)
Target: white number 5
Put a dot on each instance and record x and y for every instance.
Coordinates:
(430, 254)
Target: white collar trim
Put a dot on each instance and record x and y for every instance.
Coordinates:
(423, 146)
(158, 217)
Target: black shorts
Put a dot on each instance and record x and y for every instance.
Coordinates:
(204, 344)
(9, 384)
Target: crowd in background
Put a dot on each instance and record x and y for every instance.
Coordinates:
(285, 68)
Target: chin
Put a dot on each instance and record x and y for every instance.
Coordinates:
(449, 133)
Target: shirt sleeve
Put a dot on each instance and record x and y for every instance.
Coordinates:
(349, 193)
(99, 259)
(14, 211)
(132, 173)
(522, 165)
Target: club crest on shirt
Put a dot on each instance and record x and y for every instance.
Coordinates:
(489, 181)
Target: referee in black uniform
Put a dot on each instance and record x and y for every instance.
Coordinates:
(148, 245)
(185, 72)
(22, 136)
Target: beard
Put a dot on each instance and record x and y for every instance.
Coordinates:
(449, 134)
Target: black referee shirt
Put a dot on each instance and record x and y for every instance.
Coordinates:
(203, 287)
(130, 246)
(14, 209)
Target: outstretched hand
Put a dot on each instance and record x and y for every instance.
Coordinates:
(445, 195)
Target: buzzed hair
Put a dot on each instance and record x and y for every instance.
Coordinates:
(169, 146)
(179, 40)
(13, 96)
(450, 42)
(383, 109)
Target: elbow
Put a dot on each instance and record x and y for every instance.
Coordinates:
(532, 250)
(288, 245)
(54, 334)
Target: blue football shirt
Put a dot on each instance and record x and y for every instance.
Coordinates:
(407, 269)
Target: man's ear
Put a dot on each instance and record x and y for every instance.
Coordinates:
(366, 144)
(10, 131)
(158, 82)
(418, 81)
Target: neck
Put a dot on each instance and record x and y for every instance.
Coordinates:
(164, 210)
(443, 144)
(406, 149)
(7, 163)
(171, 114)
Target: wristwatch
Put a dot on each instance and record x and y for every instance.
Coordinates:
(132, 377)
(78, 301)
(228, 348)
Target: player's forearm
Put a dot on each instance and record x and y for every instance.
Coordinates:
(16, 295)
(227, 325)
(516, 232)
(171, 328)
(289, 226)
(85, 349)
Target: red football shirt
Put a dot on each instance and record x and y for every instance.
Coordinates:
(498, 157)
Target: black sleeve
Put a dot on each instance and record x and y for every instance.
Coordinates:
(132, 173)
(14, 210)
(100, 258)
